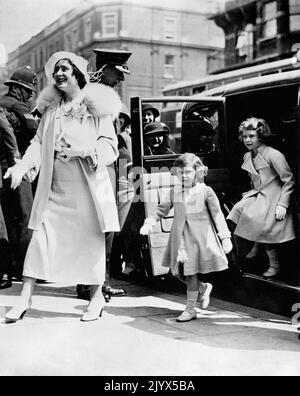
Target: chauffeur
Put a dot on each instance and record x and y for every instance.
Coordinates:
(111, 66)
(16, 204)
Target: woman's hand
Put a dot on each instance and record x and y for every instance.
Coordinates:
(280, 212)
(227, 245)
(72, 152)
(16, 174)
(68, 152)
(146, 229)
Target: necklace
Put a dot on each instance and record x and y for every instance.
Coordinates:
(75, 110)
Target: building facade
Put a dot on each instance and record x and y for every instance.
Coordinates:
(259, 31)
(169, 44)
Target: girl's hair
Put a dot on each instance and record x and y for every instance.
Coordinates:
(256, 124)
(190, 160)
(77, 73)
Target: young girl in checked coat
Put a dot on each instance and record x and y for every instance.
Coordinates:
(199, 237)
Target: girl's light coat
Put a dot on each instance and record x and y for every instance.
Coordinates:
(200, 223)
(273, 184)
(102, 105)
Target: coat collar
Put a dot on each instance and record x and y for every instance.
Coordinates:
(259, 160)
(196, 189)
(99, 100)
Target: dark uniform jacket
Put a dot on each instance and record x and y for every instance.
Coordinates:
(8, 143)
(26, 125)
(17, 204)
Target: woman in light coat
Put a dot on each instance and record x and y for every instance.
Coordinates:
(264, 214)
(74, 203)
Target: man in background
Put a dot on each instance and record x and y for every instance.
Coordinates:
(17, 204)
(111, 68)
(8, 153)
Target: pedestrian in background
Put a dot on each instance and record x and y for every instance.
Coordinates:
(264, 216)
(74, 203)
(8, 153)
(156, 139)
(17, 203)
(125, 195)
(149, 113)
(194, 246)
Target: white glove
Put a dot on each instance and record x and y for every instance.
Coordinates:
(280, 212)
(16, 173)
(67, 152)
(146, 229)
(227, 245)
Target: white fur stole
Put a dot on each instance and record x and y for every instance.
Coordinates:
(99, 99)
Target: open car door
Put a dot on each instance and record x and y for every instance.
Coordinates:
(193, 125)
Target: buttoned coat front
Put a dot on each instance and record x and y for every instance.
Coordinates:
(273, 184)
(200, 224)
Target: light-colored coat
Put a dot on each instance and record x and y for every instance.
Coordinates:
(200, 223)
(102, 107)
(273, 184)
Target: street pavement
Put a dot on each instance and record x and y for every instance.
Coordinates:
(138, 336)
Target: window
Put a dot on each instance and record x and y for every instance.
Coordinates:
(36, 61)
(202, 132)
(110, 24)
(41, 85)
(170, 28)
(68, 43)
(87, 30)
(75, 38)
(169, 66)
(51, 50)
(294, 15)
(41, 57)
(198, 89)
(269, 21)
(244, 44)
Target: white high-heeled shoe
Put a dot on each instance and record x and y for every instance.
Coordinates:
(17, 312)
(94, 311)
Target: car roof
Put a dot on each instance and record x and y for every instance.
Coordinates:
(252, 84)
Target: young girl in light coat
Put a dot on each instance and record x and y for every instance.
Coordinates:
(199, 237)
(264, 213)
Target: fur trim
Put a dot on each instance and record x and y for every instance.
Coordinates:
(99, 99)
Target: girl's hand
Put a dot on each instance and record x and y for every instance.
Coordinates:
(227, 245)
(146, 229)
(280, 212)
(16, 174)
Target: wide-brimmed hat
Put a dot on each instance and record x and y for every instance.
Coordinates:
(156, 128)
(77, 60)
(114, 57)
(23, 76)
(148, 106)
